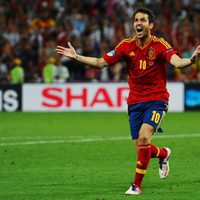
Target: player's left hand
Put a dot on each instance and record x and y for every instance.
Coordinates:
(195, 54)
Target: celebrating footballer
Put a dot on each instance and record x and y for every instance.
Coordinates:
(146, 57)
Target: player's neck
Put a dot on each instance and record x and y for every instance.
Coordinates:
(143, 41)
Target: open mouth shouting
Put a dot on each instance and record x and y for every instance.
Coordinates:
(139, 31)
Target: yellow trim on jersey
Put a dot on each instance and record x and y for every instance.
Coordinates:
(154, 38)
(162, 41)
(128, 40)
(165, 42)
(141, 171)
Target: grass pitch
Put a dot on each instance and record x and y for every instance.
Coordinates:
(90, 156)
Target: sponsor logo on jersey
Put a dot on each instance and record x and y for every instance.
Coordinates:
(139, 163)
(131, 54)
(111, 53)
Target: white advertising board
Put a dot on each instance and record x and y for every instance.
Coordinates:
(88, 97)
(75, 97)
(176, 100)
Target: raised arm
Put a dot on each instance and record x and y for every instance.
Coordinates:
(185, 62)
(70, 52)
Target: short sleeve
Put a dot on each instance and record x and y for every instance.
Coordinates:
(167, 51)
(114, 56)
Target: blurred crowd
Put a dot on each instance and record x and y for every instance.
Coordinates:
(30, 31)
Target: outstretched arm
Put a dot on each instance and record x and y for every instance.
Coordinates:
(185, 62)
(70, 52)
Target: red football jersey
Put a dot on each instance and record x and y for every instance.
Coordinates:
(146, 68)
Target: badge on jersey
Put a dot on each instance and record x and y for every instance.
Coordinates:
(169, 50)
(151, 53)
(111, 53)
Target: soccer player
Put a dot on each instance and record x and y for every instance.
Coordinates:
(146, 56)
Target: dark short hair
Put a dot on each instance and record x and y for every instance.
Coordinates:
(145, 11)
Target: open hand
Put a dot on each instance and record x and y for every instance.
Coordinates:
(195, 54)
(68, 52)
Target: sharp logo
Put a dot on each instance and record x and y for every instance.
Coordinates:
(53, 97)
(75, 97)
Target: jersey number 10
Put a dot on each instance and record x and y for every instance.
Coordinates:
(143, 64)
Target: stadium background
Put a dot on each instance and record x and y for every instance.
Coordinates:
(30, 30)
(89, 155)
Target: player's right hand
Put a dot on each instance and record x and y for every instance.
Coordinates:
(69, 52)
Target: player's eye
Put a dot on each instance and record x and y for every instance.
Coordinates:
(143, 20)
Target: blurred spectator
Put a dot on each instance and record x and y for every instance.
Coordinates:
(92, 74)
(11, 33)
(17, 72)
(78, 21)
(30, 30)
(108, 29)
(116, 72)
(61, 73)
(49, 71)
(3, 72)
(198, 68)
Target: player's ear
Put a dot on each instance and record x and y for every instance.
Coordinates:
(151, 25)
